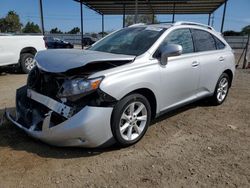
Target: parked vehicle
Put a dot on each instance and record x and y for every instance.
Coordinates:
(88, 41)
(19, 51)
(113, 90)
(52, 43)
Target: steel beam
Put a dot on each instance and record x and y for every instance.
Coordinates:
(173, 17)
(41, 15)
(102, 25)
(81, 24)
(136, 11)
(123, 15)
(209, 18)
(223, 17)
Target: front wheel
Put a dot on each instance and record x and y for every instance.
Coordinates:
(221, 89)
(130, 119)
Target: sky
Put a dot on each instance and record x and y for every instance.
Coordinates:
(65, 14)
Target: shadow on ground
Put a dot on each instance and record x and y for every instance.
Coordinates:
(16, 139)
(9, 70)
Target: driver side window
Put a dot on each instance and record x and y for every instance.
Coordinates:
(181, 37)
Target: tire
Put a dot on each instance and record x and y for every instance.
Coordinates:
(134, 126)
(68, 46)
(27, 62)
(221, 90)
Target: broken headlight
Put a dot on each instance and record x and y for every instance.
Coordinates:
(79, 86)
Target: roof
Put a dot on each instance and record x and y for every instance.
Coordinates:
(116, 7)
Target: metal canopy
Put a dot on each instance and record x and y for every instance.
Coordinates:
(116, 7)
(127, 7)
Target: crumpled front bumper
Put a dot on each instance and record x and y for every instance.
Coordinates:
(90, 127)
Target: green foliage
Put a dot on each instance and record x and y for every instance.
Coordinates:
(31, 27)
(231, 33)
(104, 33)
(10, 23)
(56, 30)
(75, 30)
(246, 29)
(147, 19)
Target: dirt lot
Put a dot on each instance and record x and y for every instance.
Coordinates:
(196, 146)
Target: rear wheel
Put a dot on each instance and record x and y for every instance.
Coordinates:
(27, 62)
(221, 89)
(130, 119)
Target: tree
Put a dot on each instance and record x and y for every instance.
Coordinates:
(56, 30)
(147, 19)
(104, 33)
(94, 35)
(246, 30)
(31, 27)
(75, 30)
(10, 23)
(231, 33)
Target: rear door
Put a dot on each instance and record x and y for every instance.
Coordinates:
(211, 58)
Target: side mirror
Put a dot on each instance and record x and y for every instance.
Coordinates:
(169, 50)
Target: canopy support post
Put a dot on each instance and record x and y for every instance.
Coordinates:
(123, 16)
(223, 17)
(153, 18)
(209, 18)
(102, 25)
(41, 15)
(173, 17)
(81, 24)
(136, 11)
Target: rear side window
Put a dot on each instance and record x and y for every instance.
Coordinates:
(182, 37)
(203, 41)
(219, 45)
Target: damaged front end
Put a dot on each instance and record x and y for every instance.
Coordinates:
(57, 97)
(65, 109)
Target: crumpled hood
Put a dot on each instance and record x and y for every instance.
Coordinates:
(62, 60)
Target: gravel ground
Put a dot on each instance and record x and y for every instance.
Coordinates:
(196, 146)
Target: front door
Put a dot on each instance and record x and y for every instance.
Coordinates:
(180, 77)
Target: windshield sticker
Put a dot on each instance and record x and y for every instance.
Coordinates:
(153, 28)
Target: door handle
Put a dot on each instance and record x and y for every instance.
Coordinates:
(195, 63)
(221, 58)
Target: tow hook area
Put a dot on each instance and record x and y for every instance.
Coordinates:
(52, 104)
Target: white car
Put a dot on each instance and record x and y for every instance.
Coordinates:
(19, 51)
(112, 90)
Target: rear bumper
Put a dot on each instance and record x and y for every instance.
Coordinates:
(90, 127)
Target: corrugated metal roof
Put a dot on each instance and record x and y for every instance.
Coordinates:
(116, 7)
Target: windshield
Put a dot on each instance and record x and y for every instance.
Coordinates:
(129, 41)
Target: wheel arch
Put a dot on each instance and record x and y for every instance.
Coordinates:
(150, 96)
(230, 74)
(29, 49)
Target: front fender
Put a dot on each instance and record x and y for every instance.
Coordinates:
(120, 84)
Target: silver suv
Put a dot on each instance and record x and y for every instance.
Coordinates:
(111, 91)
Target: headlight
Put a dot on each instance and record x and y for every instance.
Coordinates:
(79, 86)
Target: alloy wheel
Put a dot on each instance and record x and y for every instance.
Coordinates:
(133, 121)
(29, 63)
(222, 89)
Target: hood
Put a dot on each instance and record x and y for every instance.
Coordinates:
(62, 60)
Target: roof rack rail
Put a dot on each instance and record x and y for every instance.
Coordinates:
(194, 23)
(137, 24)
